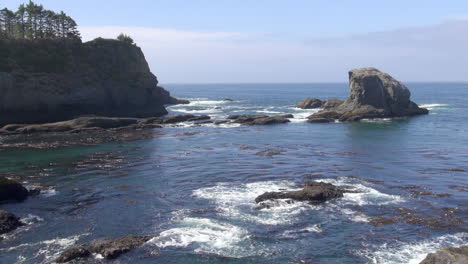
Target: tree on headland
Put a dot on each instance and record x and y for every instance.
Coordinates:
(125, 38)
(32, 21)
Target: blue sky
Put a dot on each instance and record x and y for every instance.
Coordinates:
(283, 41)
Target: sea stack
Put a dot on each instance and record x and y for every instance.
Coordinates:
(373, 94)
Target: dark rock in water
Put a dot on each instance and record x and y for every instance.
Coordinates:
(70, 125)
(220, 122)
(332, 103)
(287, 116)
(184, 118)
(373, 94)
(54, 80)
(258, 119)
(228, 100)
(114, 247)
(73, 253)
(316, 192)
(109, 248)
(12, 190)
(8, 222)
(178, 101)
(323, 117)
(450, 255)
(309, 103)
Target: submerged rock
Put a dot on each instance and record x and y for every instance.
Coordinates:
(228, 100)
(109, 248)
(316, 192)
(8, 222)
(373, 94)
(12, 190)
(310, 103)
(259, 119)
(451, 255)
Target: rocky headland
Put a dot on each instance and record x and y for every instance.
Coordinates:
(373, 94)
(49, 80)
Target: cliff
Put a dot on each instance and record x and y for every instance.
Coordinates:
(53, 80)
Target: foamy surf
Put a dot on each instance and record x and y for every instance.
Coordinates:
(412, 253)
(433, 106)
(207, 236)
(49, 249)
(238, 202)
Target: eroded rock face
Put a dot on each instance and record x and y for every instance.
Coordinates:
(309, 103)
(109, 248)
(8, 222)
(373, 94)
(101, 77)
(316, 192)
(12, 191)
(450, 255)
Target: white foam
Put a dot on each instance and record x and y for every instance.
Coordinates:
(301, 115)
(304, 231)
(48, 192)
(412, 253)
(50, 249)
(433, 106)
(377, 120)
(238, 202)
(207, 236)
(365, 195)
(31, 219)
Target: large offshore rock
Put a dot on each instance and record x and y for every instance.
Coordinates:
(54, 80)
(373, 94)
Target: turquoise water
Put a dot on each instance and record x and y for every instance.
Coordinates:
(193, 188)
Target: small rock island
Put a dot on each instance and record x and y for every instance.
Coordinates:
(373, 94)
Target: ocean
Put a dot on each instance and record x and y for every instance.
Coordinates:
(193, 187)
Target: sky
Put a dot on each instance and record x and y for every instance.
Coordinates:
(273, 41)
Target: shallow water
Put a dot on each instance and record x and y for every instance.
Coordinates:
(193, 188)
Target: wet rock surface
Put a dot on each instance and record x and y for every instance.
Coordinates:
(12, 191)
(316, 192)
(259, 119)
(451, 255)
(109, 248)
(373, 94)
(310, 103)
(8, 222)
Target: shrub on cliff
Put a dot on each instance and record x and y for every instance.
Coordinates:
(125, 38)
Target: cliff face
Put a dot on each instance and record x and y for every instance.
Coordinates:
(46, 81)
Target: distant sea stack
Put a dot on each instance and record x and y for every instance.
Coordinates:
(373, 94)
(47, 80)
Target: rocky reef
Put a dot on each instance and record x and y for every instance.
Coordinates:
(8, 222)
(315, 192)
(311, 103)
(450, 255)
(373, 94)
(109, 248)
(54, 80)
